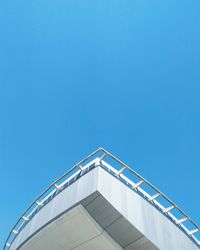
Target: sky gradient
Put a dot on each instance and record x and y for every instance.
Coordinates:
(79, 74)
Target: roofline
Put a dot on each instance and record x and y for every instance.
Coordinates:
(56, 188)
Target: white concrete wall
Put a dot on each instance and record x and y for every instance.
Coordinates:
(79, 190)
(145, 217)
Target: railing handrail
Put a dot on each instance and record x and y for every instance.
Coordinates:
(151, 185)
(47, 189)
(119, 173)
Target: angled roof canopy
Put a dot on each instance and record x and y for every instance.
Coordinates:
(101, 203)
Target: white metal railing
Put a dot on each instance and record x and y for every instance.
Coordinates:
(61, 183)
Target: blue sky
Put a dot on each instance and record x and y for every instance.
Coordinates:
(76, 75)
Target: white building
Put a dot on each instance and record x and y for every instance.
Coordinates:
(102, 204)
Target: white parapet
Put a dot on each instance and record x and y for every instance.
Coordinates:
(99, 208)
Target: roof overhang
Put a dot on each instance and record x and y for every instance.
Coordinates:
(118, 216)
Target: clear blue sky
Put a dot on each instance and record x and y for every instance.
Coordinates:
(79, 74)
